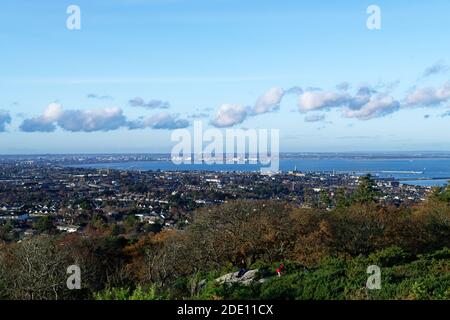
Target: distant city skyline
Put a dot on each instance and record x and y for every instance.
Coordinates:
(137, 70)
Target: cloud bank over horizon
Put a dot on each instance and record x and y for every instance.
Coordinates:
(361, 102)
(92, 120)
(367, 102)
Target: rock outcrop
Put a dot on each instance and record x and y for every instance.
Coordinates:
(245, 279)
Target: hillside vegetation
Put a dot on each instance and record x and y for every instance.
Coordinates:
(325, 252)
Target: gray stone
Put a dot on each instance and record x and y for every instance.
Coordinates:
(246, 279)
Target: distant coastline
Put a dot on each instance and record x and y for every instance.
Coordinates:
(382, 155)
(421, 168)
(420, 171)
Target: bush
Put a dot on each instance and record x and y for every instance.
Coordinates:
(390, 257)
(126, 294)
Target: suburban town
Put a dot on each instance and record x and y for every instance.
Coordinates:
(46, 194)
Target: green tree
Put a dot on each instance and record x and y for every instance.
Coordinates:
(325, 200)
(131, 223)
(5, 230)
(45, 225)
(342, 199)
(440, 193)
(367, 191)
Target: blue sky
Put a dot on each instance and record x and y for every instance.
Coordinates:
(139, 69)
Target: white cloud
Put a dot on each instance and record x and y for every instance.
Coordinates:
(362, 97)
(167, 121)
(428, 96)
(229, 115)
(92, 120)
(378, 106)
(45, 122)
(365, 103)
(294, 90)
(315, 117)
(437, 68)
(317, 100)
(96, 120)
(37, 124)
(152, 104)
(75, 120)
(5, 118)
(99, 97)
(53, 112)
(269, 101)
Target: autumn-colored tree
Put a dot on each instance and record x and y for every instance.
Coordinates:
(240, 233)
(148, 255)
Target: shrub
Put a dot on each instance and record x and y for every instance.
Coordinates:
(126, 294)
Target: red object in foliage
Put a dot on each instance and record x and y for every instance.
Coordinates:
(281, 267)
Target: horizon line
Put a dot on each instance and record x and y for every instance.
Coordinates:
(169, 153)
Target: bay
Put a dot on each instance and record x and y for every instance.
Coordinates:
(426, 172)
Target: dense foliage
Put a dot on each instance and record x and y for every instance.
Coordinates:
(326, 254)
